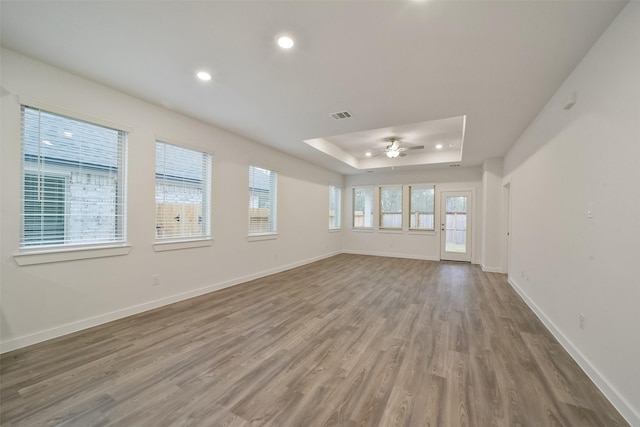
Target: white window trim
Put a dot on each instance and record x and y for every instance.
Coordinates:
(435, 219)
(422, 232)
(161, 245)
(373, 205)
(390, 231)
(402, 213)
(46, 256)
(60, 253)
(339, 227)
(261, 237)
(182, 244)
(266, 235)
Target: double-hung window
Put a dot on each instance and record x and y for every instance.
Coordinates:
(262, 201)
(421, 207)
(335, 207)
(183, 193)
(362, 209)
(73, 182)
(391, 207)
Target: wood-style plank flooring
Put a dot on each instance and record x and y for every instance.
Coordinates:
(347, 341)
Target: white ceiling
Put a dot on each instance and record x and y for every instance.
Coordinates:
(424, 143)
(389, 63)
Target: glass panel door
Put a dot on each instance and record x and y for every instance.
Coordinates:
(455, 226)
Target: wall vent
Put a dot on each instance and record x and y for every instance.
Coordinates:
(341, 115)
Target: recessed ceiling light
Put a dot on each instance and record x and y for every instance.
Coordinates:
(438, 146)
(368, 154)
(204, 76)
(285, 42)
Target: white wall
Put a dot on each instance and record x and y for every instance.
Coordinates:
(569, 163)
(491, 248)
(406, 244)
(42, 301)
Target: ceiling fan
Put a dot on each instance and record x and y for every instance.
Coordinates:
(393, 149)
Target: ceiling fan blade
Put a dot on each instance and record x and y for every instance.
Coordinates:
(415, 147)
(403, 154)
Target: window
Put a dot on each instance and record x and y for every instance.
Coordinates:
(391, 207)
(335, 206)
(362, 207)
(262, 201)
(183, 189)
(421, 207)
(73, 181)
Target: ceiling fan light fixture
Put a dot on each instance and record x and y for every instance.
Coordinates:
(393, 154)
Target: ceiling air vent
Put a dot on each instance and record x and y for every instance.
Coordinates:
(341, 115)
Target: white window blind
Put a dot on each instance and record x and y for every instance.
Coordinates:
(391, 207)
(335, 206)
(73, 181)
(362, 207)
(421, 207)
(262, 201)
(183, 188)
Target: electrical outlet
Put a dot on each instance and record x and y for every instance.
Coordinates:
(155, 280)
(582, 321)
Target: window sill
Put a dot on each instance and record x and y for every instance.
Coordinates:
(260, 237)
(362, 230)
(335, 230)
(422, 232)
(60, 255)
(391, 230)
(181, 244)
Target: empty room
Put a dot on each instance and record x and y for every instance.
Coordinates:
(320, 213)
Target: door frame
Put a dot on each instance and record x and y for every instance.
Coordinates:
(506, 224)
(471, 235)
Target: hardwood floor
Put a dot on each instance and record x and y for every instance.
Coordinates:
(348, 341)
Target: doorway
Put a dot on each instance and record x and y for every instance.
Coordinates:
(455, 226)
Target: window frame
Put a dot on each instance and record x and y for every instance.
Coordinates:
(205, 186)
(272, 221)
(382, 188)
(42, 166)
(410, 210)
(336, 192)
(370, 189)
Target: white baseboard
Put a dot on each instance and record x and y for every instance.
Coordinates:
(621, 404)
(392, 255)
(491, 269)
(69, 328)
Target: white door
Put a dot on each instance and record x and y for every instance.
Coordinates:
(455, 226)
